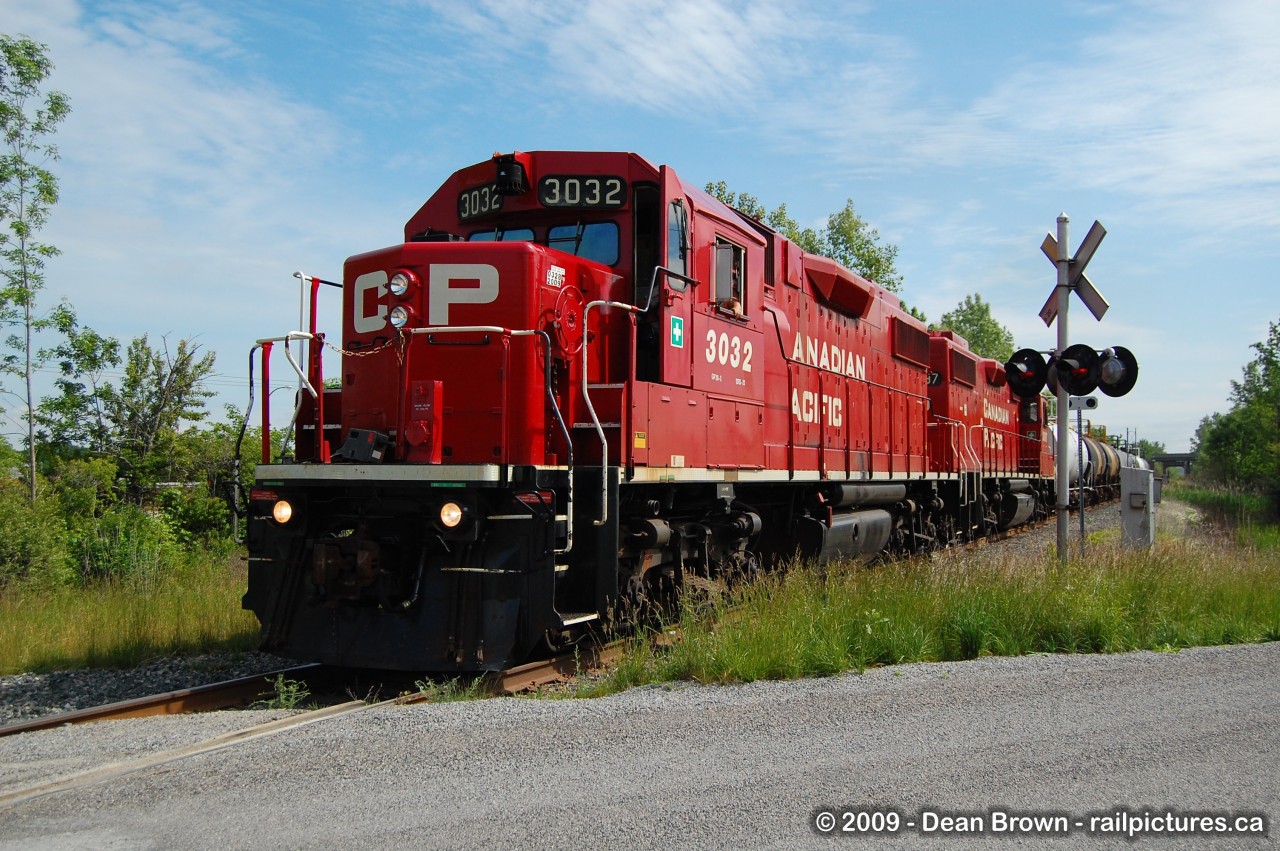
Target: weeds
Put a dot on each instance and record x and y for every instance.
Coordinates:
(1185, 592)
(453, 690)
(1225, 505)
(285, 694)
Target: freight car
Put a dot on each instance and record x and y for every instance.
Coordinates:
(580, 382)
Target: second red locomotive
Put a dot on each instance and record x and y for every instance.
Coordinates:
(579, 381)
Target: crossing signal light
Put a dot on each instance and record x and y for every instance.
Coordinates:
(1118, 371)
(1078, 369)
(1027, 373)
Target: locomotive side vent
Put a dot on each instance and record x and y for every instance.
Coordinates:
(910, 344)
(964, 369)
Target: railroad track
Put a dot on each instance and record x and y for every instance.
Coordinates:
(556, 669)
(246, 689)
(206, 698)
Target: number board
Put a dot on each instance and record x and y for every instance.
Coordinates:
(582, 190)
(478, 201)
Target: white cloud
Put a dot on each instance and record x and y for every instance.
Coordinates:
(1174, 104)
(669, 56)
(190, 191)
(194, 182)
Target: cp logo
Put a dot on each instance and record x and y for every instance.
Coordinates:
(447, 284)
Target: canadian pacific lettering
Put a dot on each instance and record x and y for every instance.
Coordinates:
(994, 413)
(808, 408)
(814, 352)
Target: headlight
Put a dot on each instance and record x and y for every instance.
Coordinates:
(451, 515)
(400, 316)
(400, 283)
(282, 511)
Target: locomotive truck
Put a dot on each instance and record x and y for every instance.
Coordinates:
(580, 382)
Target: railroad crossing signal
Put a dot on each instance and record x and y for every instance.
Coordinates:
(1026, 372)
(1119, 371)
(1079, 369)
(1076, 369)
(1076, 278)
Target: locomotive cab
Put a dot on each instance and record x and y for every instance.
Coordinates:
(484, 375)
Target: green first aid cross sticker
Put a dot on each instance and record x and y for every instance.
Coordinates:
(677, 332)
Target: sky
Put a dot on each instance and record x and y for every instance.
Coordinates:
(215, 148)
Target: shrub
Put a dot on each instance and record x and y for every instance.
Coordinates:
(125, 542)
(195, 517)
(85, 488)
(33, 538)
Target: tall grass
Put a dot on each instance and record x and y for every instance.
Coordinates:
(1229, 505)
(1253, 516)
(810, 622)
(185, 608)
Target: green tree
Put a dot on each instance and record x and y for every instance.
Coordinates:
(1143, 448)
(76, 418)
(780, 220)
(27, 191)
(160, 391)
(1242, 446)
(972, 320)
(854, 244)
(1149, 449)
(847, 238)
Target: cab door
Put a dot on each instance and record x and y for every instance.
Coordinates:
(674, 297)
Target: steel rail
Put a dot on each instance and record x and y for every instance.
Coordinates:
(205, 698)
(556, 669)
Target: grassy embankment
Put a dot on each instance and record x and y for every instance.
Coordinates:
(1204, 589)
(189, 608)
(1195, 590)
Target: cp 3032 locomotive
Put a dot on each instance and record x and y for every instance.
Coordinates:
(581, 382)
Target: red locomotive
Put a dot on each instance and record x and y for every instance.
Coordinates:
(580, 381)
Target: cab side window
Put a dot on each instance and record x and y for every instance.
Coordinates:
(730, 276)
(677, 242)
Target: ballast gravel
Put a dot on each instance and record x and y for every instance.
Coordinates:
(25, 696)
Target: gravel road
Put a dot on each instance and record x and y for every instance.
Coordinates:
(697, 766)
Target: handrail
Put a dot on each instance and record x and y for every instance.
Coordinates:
(266, 344)
(595, 420)
(307, 318)
(653, 285)
(1001, 455)
(969, 456)
(966, 458)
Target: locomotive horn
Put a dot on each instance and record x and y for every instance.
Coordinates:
(511, 178)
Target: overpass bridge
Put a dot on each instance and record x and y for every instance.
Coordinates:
(1174, 459)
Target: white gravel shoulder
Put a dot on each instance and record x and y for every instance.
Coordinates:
(692, 765)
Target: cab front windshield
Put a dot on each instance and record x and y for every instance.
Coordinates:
(596, 241)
